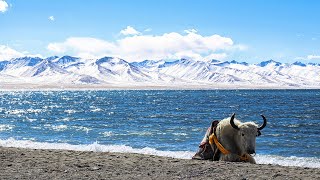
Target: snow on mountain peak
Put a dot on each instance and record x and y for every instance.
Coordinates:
(297, 63)
(44, 68)
(29, 61)
(214, 61)
(112, 70)
(51, 58)
(265, 63)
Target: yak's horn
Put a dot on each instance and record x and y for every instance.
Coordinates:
(264, 123)
(232, 122)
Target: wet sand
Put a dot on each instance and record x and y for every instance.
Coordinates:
(17, 163)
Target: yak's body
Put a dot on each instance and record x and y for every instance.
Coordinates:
(236, 141)
(230, 138)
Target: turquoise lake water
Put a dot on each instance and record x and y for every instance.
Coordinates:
(161, 122)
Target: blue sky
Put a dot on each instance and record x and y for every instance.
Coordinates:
(252, 31)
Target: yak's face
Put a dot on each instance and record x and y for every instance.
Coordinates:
(247, 134)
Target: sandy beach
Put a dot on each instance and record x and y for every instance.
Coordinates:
(19, 163)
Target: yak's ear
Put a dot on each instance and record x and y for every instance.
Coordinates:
(259, 133)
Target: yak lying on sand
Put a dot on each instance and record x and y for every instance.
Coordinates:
(230, 140)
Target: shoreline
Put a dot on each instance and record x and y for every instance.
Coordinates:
(62, 87)
(20, 163)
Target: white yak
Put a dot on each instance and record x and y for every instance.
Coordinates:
(230, 140)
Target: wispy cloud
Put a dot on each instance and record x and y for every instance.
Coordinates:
(311, 57)
(188, 31)
(51, 18)
(299, 35)
(3, 6)
(129, 31)
(140, 47)
(308, 57)
(148, 30)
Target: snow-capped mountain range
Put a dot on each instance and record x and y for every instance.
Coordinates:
(67, 70)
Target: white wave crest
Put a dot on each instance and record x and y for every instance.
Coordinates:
(56, 127)
(310, 162)
(95, 147)
(6, 127)
(70, 111)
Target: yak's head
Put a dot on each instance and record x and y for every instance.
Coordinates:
(246, 134)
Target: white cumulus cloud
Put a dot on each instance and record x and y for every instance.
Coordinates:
(171, 45)
(83, 46)
(51, 18)
(129, 31)
(7, 53)
(218, 56)
(140, 47)
(3, 6)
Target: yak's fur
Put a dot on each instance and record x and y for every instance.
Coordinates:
(236, 139)
(238, 142)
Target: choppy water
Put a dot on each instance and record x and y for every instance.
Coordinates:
(166, 123)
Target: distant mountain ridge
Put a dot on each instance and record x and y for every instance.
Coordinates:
(115, 71)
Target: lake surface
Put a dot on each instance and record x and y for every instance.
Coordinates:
(161, 122)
